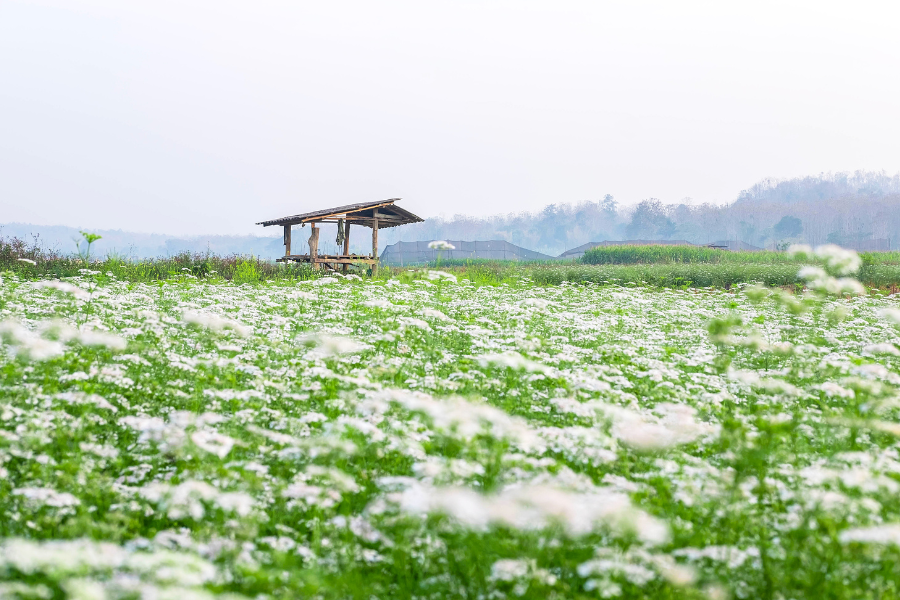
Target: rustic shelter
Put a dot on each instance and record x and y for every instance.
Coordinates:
(377, 215)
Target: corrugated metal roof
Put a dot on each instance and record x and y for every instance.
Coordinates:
(387, 206)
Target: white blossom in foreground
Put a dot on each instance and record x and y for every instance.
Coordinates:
(839, 260)
(215, 322)
(533, 507)
(29, 344)
(511, 360)
(885, 535)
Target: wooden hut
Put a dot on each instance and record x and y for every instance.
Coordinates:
(377, 215)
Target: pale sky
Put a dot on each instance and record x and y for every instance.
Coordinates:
(206, 116)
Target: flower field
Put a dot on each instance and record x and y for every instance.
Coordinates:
(427, 437)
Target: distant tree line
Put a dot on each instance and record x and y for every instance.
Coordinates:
(843, 208)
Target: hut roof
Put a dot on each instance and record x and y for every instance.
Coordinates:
(386, 212)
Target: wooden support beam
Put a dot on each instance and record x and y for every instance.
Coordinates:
(346, 245)
(287, 240)
(375, 247)
(313, 244)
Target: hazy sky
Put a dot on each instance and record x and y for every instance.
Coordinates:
(186, 116)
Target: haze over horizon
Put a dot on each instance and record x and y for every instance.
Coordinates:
(206, 117)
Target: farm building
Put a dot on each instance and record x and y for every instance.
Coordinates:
(870, 245)
(413, 253)
(734, 246)
(376, 215)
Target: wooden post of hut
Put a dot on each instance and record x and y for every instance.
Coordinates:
(375, 245)
(313, 245)
(377, 215)
(346, 245)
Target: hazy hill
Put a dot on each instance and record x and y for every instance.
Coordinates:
(845, 208)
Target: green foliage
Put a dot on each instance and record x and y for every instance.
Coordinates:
(659, 254)
(49, 263)
(788, 227)
(675, 275)
(245, 271)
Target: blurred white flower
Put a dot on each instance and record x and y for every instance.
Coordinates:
(676, 426)
(887, 534)
(809, 272)
(47, 497)
(441, 245)
(533, 507)
(213, 442)
(102, 338)
(511, 360)
(435, 314)
(883, 348)
(330, 345)
(215, 322)
(28, 343)
(440, 275)
(65, 287)
(839, 260)
(406, 322)
(890, 314)
(800, 251)
(186, 499)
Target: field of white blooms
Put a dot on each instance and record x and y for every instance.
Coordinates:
(427, 437)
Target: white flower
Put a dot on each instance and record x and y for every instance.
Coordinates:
(28, 343)
(818, 279)
(890, 314)
(511, 360)
(324, 281)
(521, 570)
(539, 303)
(534, 507)
(65, 287)
(808, 273)
(883, 348)
(800, 251)
(441, 245)
(886, 534)
(60, 556)
(839, 260)
(330, 345)
(377, 303)
(239, 503)
(26, 260)
(436, 275)
(47, 497)
(84, 589)
(215, 322)
(213, 442)
(832, 389)
(406, 322)
(102, 338)
(435, 314)
(677, 426)
(186, 499)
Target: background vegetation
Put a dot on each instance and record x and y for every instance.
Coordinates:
(658, 266)
(848, 209)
